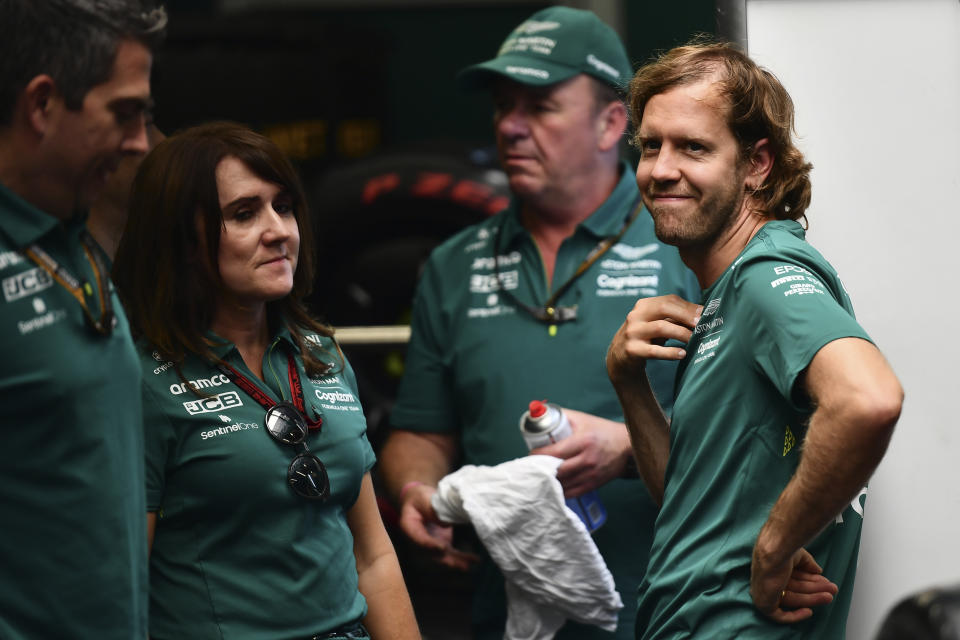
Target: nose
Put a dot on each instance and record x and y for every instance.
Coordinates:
(512, 123)
(277, 228)
(135, 140)
(665, 167)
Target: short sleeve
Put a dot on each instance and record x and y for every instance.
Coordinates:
(424, 400)
(789, 310)
(159, 442)
(369, 457)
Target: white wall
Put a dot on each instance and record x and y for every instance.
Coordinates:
(876, 85)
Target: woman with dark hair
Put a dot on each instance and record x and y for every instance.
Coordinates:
(261, 513)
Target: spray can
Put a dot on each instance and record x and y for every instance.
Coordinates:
(544, 423)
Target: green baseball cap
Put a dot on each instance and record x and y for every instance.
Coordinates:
(554, 45)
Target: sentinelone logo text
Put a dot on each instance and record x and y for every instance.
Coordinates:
(230, 428)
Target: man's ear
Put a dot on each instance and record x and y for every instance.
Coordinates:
(38, 101)
(759, 164)
(611, 124)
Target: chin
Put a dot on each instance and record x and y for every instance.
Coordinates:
(524, 186)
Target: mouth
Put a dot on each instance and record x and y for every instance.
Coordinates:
(516, 156)
(670, 197)
(106, 170)
(274, 261)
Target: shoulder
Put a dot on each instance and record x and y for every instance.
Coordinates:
(152, 361)
(777, 252)
(464, 247)
(781, 266)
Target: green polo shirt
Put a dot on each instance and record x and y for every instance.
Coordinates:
(73, 549)
(475, 361)
(236, 554)
(737, 432)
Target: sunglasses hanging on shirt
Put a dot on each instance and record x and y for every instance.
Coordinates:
(287, 423)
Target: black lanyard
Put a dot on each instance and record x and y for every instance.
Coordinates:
(265, 401)
(550, 313)
(106, 323)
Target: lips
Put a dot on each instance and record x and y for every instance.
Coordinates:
(275, 260)
(669, 197)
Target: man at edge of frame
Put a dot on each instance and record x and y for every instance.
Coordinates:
(784, 406)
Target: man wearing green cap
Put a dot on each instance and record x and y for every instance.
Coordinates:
(523, 305)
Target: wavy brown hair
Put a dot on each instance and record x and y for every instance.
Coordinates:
(160, 270)
(758, 107)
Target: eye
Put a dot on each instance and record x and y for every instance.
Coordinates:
(695, 147)
(543, 106)
(243, 214)
(649, 146)
(283, 205)
(501, 104)
(127, 111)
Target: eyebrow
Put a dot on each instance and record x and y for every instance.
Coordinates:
(144, 104)
(242, 200)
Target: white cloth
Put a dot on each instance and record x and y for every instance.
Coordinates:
(551, 564)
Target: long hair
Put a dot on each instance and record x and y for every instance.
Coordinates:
(173, 233)
(758, 107)
(73, 41)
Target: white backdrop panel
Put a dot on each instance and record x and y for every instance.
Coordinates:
(876, 85)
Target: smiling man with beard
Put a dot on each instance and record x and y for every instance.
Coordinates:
(784, 406)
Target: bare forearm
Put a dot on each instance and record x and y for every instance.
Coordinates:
(408, 456)
(389, 611)
(840, 453)
(642, 337)
(649, 432)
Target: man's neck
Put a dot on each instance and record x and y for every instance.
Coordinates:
(107, 235)
(554, 220)
(709, 262)
(29, 180)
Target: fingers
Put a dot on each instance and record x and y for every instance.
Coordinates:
(807, 563)
(789, 617)
(806, 590)
(564, 449)
(419, 522)
(650, 324)
(793, 601)
(678, 311)
(801, 582)
(596, 453)
(433, 537)
(457, 559)
(803, 587)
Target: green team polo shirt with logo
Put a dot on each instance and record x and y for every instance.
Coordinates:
(236, 554)
(738, 428)
(476, 360)
(73, 549)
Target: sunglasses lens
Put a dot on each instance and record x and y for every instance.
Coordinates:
(308, 477)
(286, 424)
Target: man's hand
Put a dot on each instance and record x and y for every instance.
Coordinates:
(650, 323)
(786, 592)
(596, 453)
(419, 521)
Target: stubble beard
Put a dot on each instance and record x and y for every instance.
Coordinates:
(701, 227)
